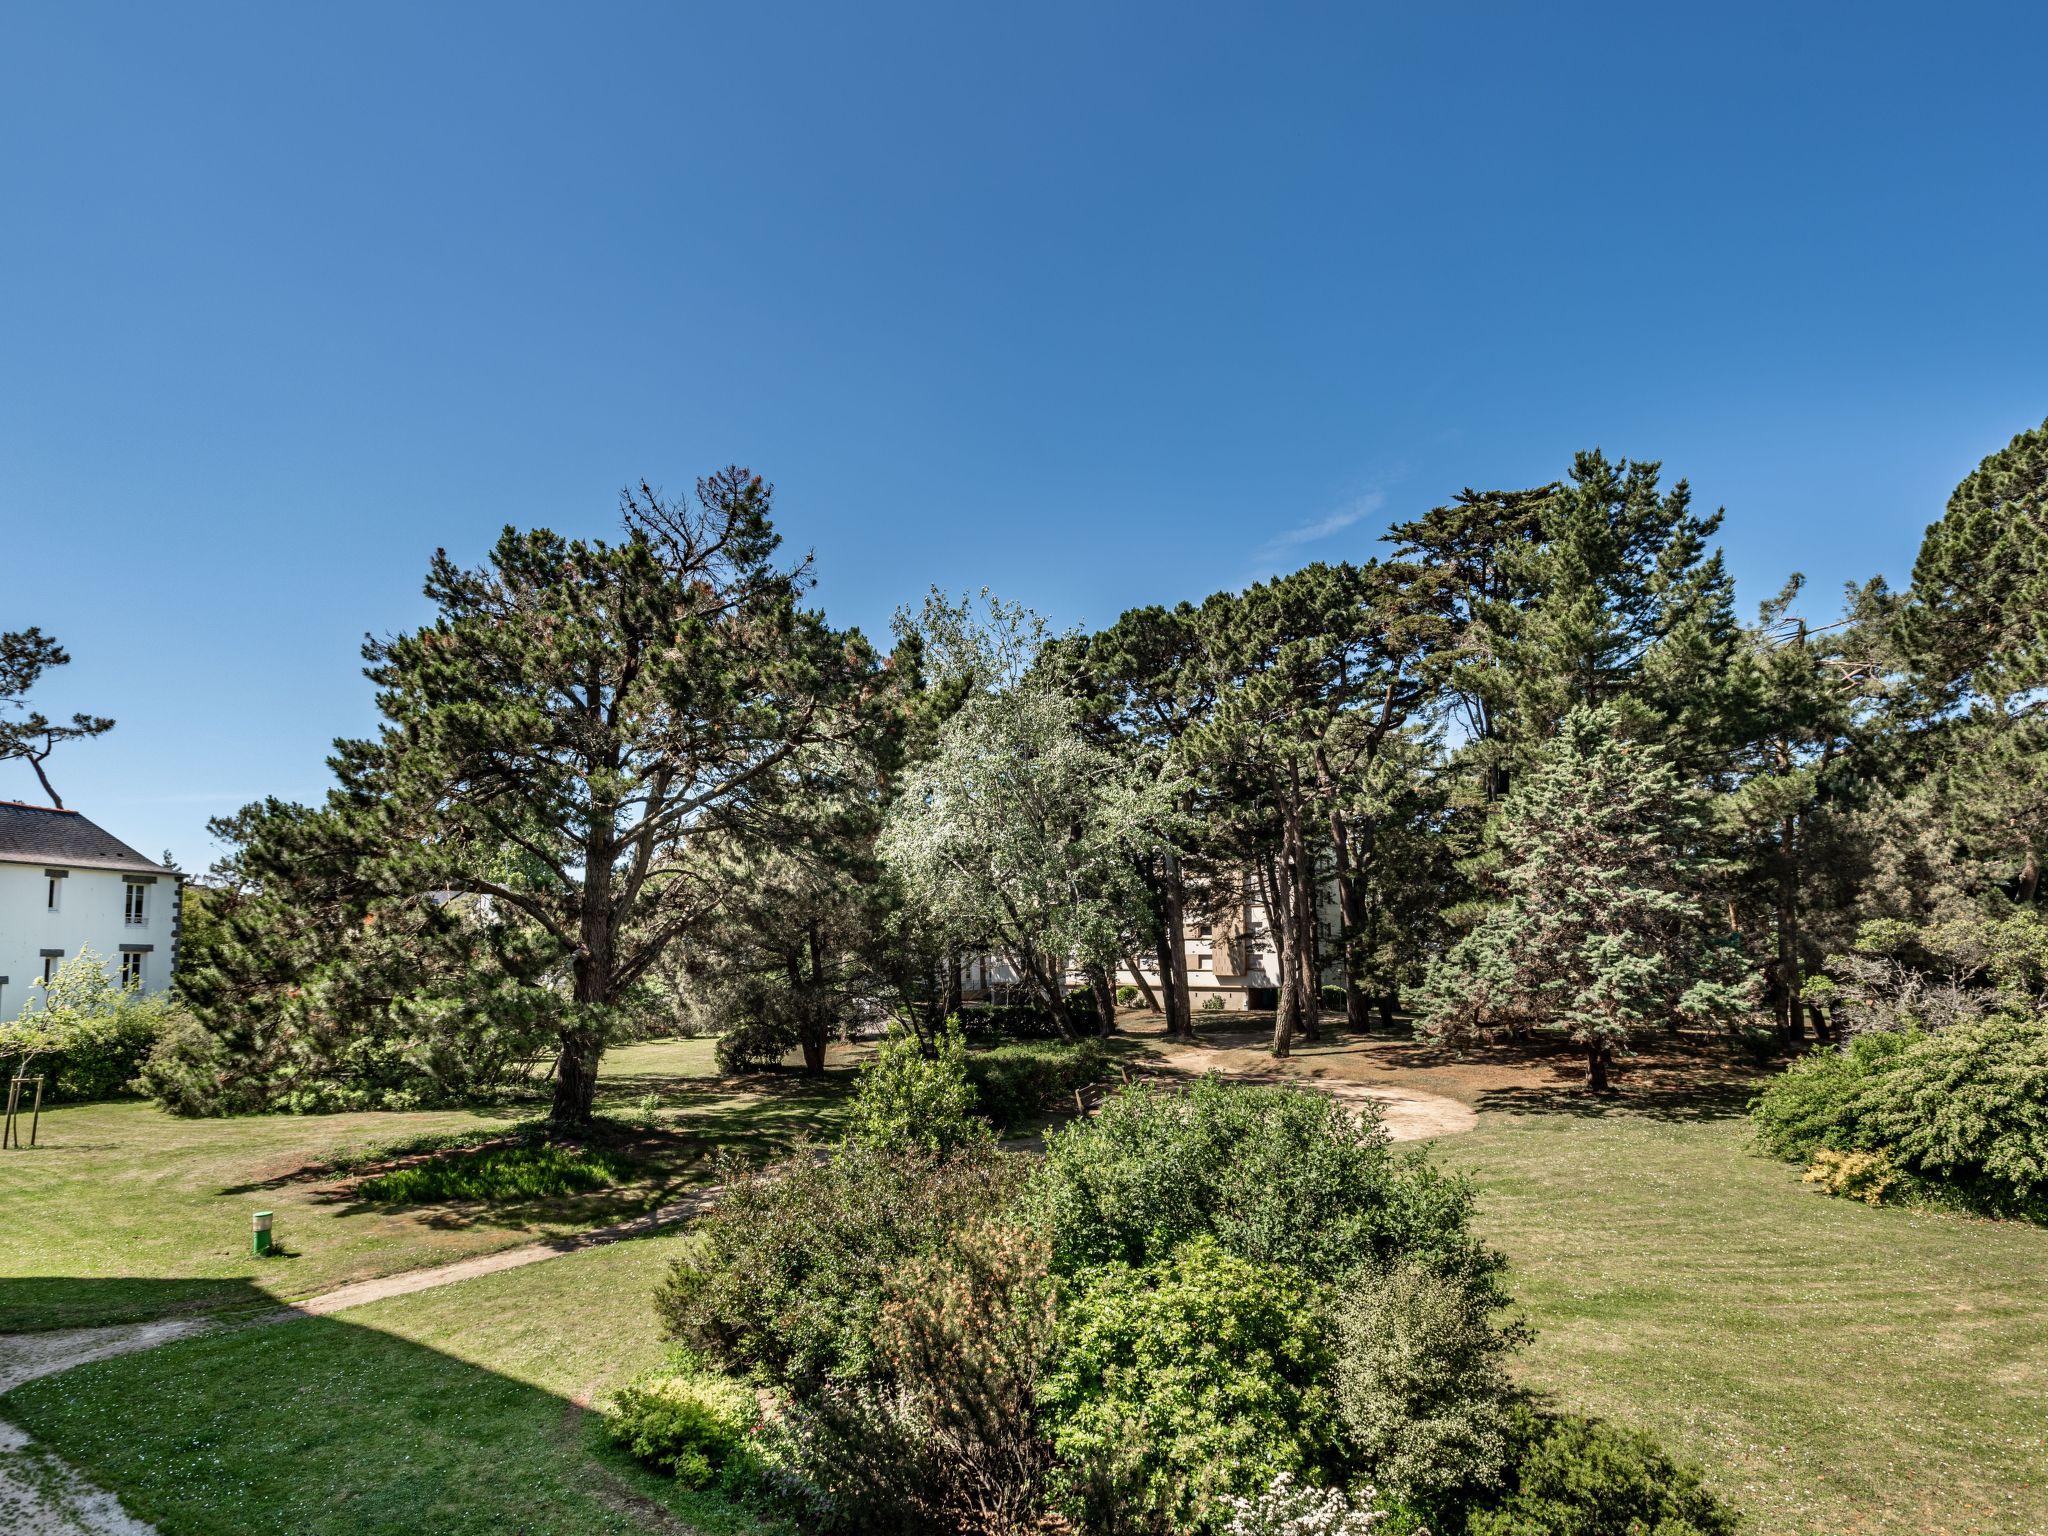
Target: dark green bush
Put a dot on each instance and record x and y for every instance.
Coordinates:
(1277, 1175)
(109, 1051)
(1017, 1082)
(1572, 1476)
(1330, 999)
(1183, 1383)
(498, 1175)
(1007, 1021)
(187, 1072)
(683, 1420)
(785, 1280)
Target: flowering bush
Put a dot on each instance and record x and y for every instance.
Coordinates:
(1865, 1176)
(1289, 1509)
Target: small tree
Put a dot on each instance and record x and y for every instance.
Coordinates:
(1603, 930)
(27, 734)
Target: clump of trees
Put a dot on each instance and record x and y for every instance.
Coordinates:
(1529, 777)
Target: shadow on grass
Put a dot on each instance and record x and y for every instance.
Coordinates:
(320, 1425)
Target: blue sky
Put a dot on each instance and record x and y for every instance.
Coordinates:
(1097, 305)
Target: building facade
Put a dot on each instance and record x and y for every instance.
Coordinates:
(66, 886)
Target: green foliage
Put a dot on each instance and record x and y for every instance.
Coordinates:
(188, 1072)
(909, 1098)
(1811, 1104)
(1127, 996)
(683, 1420)
(786, 1280)
(1604, 928)
(1422, 1383)
(1277, 1175)
(85, 1032)
(946, 1436)
(1184, 1382)
(1288, 1508)
(1571, 1476)
(1963, 1111)
(1016, 1082)
(498, 1175)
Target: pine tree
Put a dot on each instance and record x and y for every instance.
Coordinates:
(1604, 929)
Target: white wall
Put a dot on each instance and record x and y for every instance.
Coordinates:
(90, 914)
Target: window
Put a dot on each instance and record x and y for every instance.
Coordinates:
(1205, 930)
(1201, 962)
(131, 965)
(137, 909)
(53, 898)
(52, 958)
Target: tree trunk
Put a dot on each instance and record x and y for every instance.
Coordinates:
(2029, 885)
(1103, 985)
(1596, 1067)
(1286, 934)
(591, 989)
(1306, 946)
(949, 1007)
(1390, 1003)
(1791, 1017)
(1144, 987)
(1356, 1018)
(1173, 955)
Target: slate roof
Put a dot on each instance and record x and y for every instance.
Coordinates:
(38, 834)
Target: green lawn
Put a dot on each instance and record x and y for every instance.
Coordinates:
(451, 1411)
(1838, 1369)
(123, 1212)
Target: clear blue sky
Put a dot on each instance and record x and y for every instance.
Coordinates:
(1097, 305)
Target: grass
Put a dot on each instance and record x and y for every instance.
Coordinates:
(499, 1175)
(454, 1411)
(1838, 1369)
(123, 1212)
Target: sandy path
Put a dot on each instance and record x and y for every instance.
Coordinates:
(1407, 1115)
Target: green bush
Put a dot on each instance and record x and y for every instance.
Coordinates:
(685, 1421)
(498, 1175)
(946, 1438)
(1963, 1112)
(1007, 1021)
(1811, 1104)
(1183, 1383)
(785, 1280)
(906, 1097)
(1572, 1476)
(1127, 996)
(1422, 1382)
(1015, 1083)
(1277, 1175)
(187, 1072)
(1330, 999)
(108, 1051)
(1865, 1176)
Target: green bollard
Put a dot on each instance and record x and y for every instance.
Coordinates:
(259, 1240)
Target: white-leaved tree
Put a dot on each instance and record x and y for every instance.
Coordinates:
(1017, 834)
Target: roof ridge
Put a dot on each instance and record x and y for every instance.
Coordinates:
(29, 805)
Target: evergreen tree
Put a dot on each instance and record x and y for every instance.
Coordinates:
(1604, 930)
(27, 735)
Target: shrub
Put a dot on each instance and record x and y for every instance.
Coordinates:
(685, 1421)
(1127, 997)
(1184, 1382)
(1968, 1109)
(1330, 999)
(498, 1175)
(907, 1097)
(945, 1438)
(1277, 1175)
(1810, 1104)
(1291, 1509)
(1212, 1005)
(784, 1281)
(187, 1072)
(1963, 1113)
(1422, 1383)
(86, 1035)
(1572, 1476)
(1865, 1176)
(1017, 1082)
(1009, 1021)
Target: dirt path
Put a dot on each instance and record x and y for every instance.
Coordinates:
(1407, 1115)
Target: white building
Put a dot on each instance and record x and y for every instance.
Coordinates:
(68, 885)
